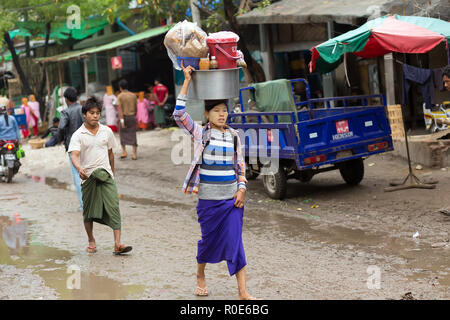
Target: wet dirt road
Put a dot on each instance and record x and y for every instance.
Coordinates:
(325, 241)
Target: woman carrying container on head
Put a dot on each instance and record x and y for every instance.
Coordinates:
(217, 175)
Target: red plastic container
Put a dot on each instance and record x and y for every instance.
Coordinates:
(225, 51)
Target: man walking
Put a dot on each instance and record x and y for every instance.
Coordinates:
(127, 102)
(92, 155)
(71, 120)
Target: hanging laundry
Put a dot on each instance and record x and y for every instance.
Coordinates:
(437, 79)
(421, 77)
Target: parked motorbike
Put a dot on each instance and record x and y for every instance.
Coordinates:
(10, 153)
(168, 111)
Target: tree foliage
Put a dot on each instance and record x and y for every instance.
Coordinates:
(216, 15)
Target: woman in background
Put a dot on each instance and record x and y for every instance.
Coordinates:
(110, 101)
(142, 113)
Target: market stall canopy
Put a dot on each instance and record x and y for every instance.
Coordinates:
(113, 45)
(405, 34)
(60, 30)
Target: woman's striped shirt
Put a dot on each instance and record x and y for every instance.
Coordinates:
(217, 176)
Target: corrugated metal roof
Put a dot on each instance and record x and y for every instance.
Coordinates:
(341, 11)
(307, 11)
(116, 44)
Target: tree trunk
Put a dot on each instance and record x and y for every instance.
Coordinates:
(253, 67)
(27, 39)
(40, 96)
(24, 81)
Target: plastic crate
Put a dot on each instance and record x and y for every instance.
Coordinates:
(21, 120)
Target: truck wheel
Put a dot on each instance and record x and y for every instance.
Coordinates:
(352, 171)
(10, 175)
(275, 184)
(249, 173)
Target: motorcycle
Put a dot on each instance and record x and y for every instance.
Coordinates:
(10, 153)
(168, 111)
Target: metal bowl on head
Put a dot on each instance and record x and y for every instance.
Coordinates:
(214, 84)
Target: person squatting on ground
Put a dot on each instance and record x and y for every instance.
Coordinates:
(53, 131)
(92, 156)
(217, 175)
(446, 80)
(71, 120)
(446, 77)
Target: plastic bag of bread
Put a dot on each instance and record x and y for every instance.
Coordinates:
(185, 39)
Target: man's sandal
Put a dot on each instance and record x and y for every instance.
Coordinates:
(122, 249)
(91, 249)
(201, 292)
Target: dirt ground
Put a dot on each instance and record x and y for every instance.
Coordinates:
(326, 240)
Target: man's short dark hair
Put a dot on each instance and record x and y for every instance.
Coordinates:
(123, 84)
(71, 94)
(209, 104)
(55, 119)
(446, 71)
(91, 103)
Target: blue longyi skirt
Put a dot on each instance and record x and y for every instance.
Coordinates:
(221, 226)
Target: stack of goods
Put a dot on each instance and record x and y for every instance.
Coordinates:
(188, 44)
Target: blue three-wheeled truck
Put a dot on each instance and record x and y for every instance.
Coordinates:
(320, 135)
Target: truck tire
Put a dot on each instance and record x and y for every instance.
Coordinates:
(10, 175)
(275, 184)
(352, 171)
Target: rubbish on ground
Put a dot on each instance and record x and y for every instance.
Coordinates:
(408, 296)
(416, 234)
(314, 206)
(299, 209)
(307, 200)
(439, 245)
(371, 164)
(310, 216)
(419, 167)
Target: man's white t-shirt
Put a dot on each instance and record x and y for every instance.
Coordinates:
(93, 148)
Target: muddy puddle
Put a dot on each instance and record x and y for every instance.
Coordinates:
(19, 248)
(421, 261)
(54, 183)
